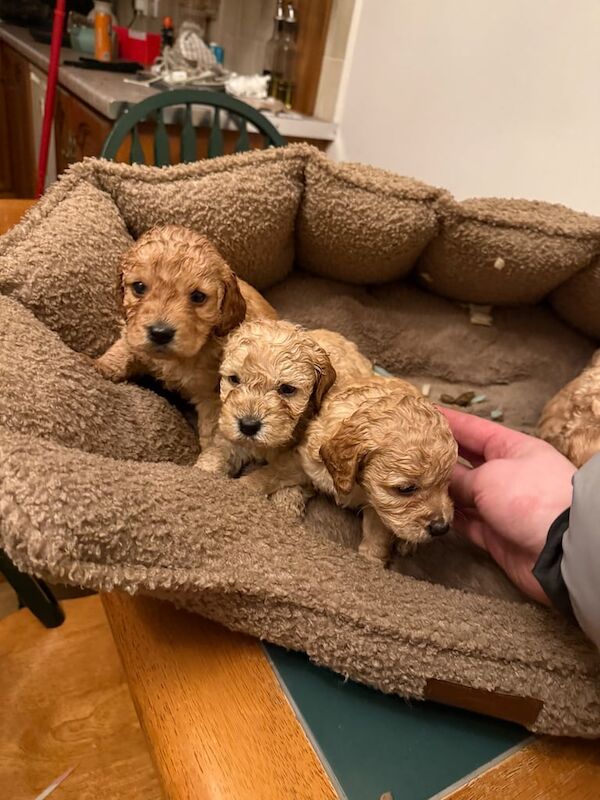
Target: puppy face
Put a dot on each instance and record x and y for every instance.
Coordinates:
(273, 379)
(177, 292)
(400, 451)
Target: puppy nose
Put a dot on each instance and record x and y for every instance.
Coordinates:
(438, 527)
(249, 426)
(160, 333)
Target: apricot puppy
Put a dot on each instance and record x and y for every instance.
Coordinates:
(570, 421)
(274, 376)
(180, 299)
(379, 446)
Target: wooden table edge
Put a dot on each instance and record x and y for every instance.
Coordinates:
(203, 675)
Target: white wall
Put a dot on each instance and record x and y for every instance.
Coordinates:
(484, 97)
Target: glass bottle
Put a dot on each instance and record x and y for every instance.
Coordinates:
(272, 47)
(285, 59)
(144, 21)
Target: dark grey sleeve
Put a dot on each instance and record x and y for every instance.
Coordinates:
(568, 568)
(548, 570)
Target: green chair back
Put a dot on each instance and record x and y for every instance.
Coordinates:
(153, 108)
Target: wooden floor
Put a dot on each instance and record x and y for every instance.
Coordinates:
(8, 599)
(65, 704)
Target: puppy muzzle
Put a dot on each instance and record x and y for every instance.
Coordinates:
(160, 334)
(249, 426)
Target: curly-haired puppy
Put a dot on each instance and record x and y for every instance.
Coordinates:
(274, 376)
(378, 445)
(570, 421)
(180, 299)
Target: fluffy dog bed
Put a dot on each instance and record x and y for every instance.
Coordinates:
(96, 484)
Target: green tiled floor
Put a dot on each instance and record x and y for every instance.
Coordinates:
(373, 743)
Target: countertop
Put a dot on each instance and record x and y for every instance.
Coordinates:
(107, 93)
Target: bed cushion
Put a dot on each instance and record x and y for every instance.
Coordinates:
(507, 251)
(54, 393)
(247, 210)
(363, 225)
(578, 300)
(62, 262)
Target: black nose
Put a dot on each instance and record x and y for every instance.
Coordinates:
(438, 527)
(249, 426)
(160, 333)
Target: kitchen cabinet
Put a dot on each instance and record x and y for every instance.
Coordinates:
(17, 156)
(79, 130)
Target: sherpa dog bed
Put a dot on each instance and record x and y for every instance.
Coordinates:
(97, 487)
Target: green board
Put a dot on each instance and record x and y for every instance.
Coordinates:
(373, 743)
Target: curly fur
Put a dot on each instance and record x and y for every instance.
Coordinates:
(171, 262)
(372, 439)
(570, 421)
(261, 358)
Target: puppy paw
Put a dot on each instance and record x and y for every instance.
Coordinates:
(108, 370)
(291, 501)
(211, 461)
(378, 555)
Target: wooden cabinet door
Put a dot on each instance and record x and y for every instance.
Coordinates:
(79, 131)
(63, 137)
(89, 129)
(18, 126)
(6, 178)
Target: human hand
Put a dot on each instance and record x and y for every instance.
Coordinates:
(515, 491)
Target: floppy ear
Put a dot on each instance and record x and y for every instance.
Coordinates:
(343, 456)
(233, 305)
(325, 376)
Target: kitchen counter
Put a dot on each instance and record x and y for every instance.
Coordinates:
(107, 93)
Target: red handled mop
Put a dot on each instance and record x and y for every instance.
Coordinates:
(57, 34)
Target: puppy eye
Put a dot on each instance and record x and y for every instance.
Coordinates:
(407, 489)
(233, 379)
(197, 297)
(287, 389)
(138, 288)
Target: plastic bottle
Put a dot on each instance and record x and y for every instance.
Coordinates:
(218, 52)
(102, 36)
(167, 32)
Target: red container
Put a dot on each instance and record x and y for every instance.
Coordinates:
(134, 46)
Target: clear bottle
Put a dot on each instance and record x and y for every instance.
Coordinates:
(144, 21)
(285, 59)
(102, 6)
(272, 47)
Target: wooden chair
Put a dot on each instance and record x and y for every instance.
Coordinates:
(153, 109)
